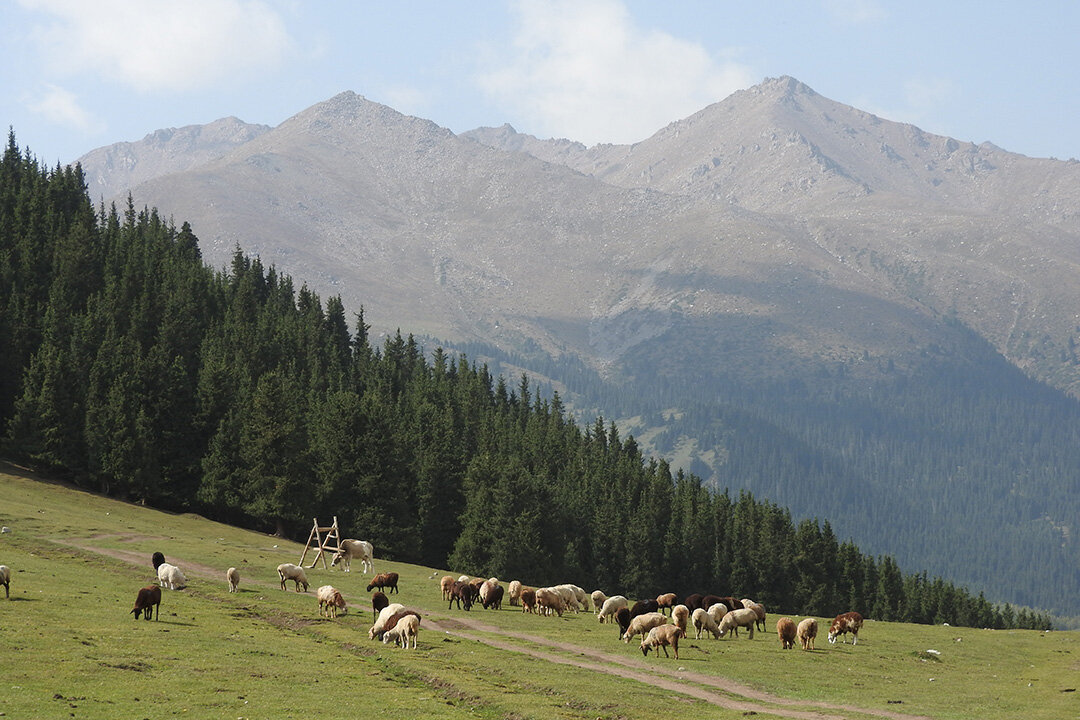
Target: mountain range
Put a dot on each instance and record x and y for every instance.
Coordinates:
(880, 311)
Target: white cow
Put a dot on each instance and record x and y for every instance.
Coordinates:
(360, 549)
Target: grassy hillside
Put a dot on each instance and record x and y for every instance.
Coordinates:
(72, 649)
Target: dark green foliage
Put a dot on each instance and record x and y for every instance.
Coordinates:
(136, 370)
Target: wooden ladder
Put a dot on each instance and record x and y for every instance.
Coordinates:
(324, 539)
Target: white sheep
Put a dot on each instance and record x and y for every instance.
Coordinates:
(550, 601)
(289, 571)
(703, 622)
(598, 598)
(515, 592)
(486, 589)
(717, 611)
(407, 628)
(741, 617)
(680, 616)
(806, 633)
(376, 630)
(643, 623)
(330, 600)
(233, 576)
(360, 549)
(581, 596)
(169, 576)
(611, 606)
(5, 580)
(569, 594)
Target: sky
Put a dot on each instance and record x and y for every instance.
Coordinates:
(80, 74)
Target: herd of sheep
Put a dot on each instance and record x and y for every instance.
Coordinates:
(660, 622)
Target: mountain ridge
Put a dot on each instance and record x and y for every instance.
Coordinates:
(775, 239)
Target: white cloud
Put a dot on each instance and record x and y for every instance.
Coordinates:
(154, 45)
(583, 70)
(61, 107)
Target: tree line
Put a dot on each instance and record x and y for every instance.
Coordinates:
(134, 369)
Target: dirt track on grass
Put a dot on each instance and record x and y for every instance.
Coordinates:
(673, 677)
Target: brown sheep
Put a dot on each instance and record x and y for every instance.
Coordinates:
(785, 629)
(666, 602)
(384, 580)
(660, 637)
(447, 584)
(378, 602)
(528, 600)
(147, 602)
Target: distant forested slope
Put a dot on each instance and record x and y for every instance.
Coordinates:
(134, 369)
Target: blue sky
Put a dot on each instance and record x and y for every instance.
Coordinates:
(79, 74)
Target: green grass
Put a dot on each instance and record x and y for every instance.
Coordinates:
(69, 646)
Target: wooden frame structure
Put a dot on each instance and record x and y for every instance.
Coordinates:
(321, 538)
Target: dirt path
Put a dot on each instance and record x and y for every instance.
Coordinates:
(710, 688)
(718, 691)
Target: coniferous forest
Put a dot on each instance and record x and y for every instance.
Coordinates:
(132, 368)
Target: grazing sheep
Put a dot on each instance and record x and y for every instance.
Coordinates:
(717, 611)
(742, 617)
(680, 616)
(611, 605)
(384, 580)
(147, 602)
(598, 599)
(845, 623)
(515, 592)
(330, 601)
(169, 576)
(550, 601)
(642, 624)
(393, 620)
(378, 602)
(666, 602)
(463, 578)
(464, 594)
(404, 630)
(385, 614)
(703, 622)
(660, 637)
(494, 598)
(528, 600)
(5, 580)
(759, 609)
(785, 629)
(581, 597)
(233, 576)
(289, 571)
(156, 559)
(806, 633)
(485, 588)
(569, 596)
(693, 601)
(643, 606)
(446, 584)
(360, 549)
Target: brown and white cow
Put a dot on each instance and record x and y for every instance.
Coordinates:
(845, 623)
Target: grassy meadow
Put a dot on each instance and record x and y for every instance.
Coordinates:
(69, 646)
